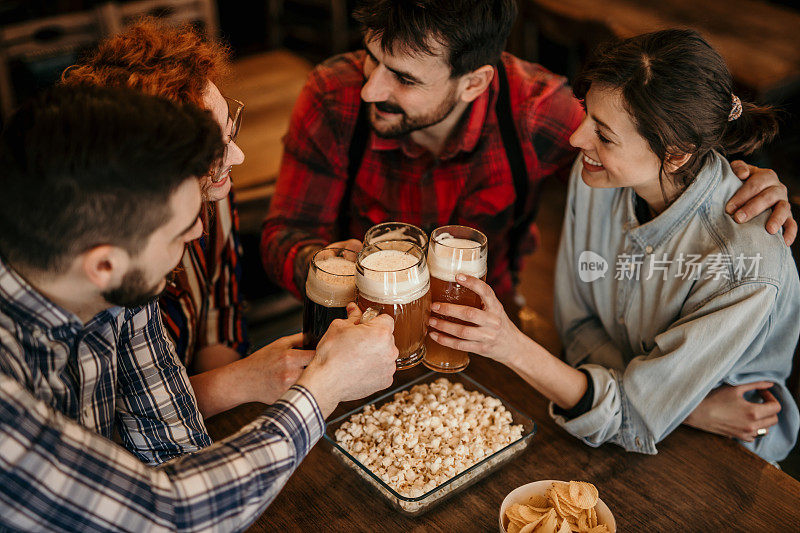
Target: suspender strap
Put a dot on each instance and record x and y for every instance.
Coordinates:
(355, 155)
(519, 173)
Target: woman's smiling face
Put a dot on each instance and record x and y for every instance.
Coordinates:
(613, 152)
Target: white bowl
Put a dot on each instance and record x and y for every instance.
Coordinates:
(523, 493)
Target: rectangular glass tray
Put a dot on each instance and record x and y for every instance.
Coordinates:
(418, 505)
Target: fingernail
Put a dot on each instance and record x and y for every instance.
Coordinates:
(432, 322)
(730, 208)
(461, 277)
(772, 229)
(740, 217)
(435, 307)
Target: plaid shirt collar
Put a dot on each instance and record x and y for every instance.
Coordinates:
(34, 311)
(464, 137)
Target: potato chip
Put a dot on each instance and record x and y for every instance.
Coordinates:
(529, 514)
(532, 525)
(549, 523)
(593, 517)
(602, 528)
(513, 513)
(537, 500)
(582, 494)
(555, 502)
(513, 527)
(562, 506)
(565, 527)
(583, 523)
(519, 523)
(562, 489)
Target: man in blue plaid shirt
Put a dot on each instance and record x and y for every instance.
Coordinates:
(99, 196)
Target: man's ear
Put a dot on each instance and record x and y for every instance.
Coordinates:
(104, 265)
(476, 82)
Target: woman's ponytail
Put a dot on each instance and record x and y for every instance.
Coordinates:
(755, 127)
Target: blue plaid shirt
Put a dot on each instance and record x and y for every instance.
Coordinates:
(66, 386)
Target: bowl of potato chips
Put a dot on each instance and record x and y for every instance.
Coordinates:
(552, 506)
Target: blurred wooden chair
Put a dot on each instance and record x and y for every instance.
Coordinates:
(117, 16)
(42, 49)
(305, 27)
(580, 37)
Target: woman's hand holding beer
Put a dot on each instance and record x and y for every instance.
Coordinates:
(493, 335)
(353, 360)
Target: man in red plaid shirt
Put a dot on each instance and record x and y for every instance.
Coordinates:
(452, 124)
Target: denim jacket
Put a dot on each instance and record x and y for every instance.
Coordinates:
(662, 313)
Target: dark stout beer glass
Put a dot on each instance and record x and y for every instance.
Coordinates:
(330, 286)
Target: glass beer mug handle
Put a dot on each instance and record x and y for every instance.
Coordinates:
(369, 314)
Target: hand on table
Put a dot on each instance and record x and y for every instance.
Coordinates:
(726, 412)
(762, 190)
(492, 334)
(353, 360)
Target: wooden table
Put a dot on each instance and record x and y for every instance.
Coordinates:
(758, 40)
(698, 482)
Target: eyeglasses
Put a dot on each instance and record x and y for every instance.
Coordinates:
(235, 108)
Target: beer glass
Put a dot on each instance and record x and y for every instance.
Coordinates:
(392, 277)
(396, 231)
(330, 286)
(453, 250)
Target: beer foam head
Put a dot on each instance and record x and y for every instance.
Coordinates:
(392, 276)
(332, 283)
(402, 233)
(448, 256)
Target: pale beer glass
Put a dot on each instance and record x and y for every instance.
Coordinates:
(453, 250)
(392, 278)
(396, 231)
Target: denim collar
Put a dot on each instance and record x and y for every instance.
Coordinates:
(659, 229)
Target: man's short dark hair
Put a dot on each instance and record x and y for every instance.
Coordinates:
(473, 31)
(85, 166)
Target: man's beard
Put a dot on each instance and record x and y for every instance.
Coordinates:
(133, 291)
(408, 124)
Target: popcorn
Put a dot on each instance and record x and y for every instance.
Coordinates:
(427, 435)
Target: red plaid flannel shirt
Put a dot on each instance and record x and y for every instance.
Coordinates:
(469, 183)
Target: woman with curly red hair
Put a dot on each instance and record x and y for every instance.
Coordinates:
(202, 306)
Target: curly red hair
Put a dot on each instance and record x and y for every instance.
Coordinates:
(154, 58)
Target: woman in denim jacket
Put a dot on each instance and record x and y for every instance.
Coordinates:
(669, 311)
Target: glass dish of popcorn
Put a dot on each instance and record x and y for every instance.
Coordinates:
(429, 439)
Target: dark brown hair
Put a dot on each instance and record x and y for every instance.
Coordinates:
(678, 91)
(84, 166)
(473, 31)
